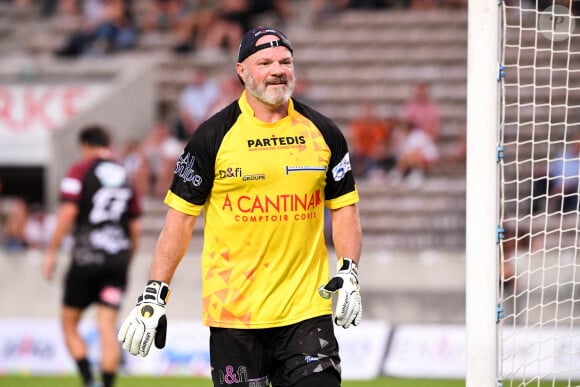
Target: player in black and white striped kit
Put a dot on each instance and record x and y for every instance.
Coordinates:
(100, 207)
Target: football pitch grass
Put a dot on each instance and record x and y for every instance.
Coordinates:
(134, 381)
(126, 381)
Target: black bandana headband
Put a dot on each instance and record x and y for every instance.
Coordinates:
(248, 44)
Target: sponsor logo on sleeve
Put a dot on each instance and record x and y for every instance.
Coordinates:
(340, 170)
(184, 169)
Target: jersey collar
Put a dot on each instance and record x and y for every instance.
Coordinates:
(249, 112)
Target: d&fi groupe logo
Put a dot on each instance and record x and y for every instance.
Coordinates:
(230, 172)
(237, 172)
(556, 23)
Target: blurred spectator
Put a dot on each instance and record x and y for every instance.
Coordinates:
(512, 246)
(368, 132)
(283, 10)
(320, 9)
(23, 225)
(165, 15)
(324, 8)
(14, 213)
(192, 24)
(235, 17)
(230, 89)
(48, 7)
(39, 227)
(573, 5)
(108, 26)
(135, 161)
(517, 250)
(557, 187)
(195, 102)
(162, 151)
(422, 111)
(387, 150)
(415, 153)
(232, 20)
(68, 9)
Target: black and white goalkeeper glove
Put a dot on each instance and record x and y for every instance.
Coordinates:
(146, 322)
(348, 305)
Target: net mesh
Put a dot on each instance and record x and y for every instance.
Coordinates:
(539, 335)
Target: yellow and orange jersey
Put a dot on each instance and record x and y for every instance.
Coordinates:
(263, 188)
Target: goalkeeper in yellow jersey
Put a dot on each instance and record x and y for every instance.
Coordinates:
(262, 169)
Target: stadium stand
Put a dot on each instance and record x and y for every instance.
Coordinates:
(411, 232)
(367, 58)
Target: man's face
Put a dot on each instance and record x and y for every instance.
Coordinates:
(269, 73)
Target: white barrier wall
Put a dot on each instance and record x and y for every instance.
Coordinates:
(35, 346)
(430, 351)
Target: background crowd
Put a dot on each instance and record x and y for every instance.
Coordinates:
(401, 148)
(108, 26)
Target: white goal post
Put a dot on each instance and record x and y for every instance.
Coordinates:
(481, 192)
(523, 174)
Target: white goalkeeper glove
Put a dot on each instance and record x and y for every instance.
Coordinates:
(146, 322)
(348, 305)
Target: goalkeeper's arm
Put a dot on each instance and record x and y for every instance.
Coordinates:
(346, 232)
(347, 240)
(147, 322)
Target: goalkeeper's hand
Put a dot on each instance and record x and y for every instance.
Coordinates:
(348, 305)
(147, 321)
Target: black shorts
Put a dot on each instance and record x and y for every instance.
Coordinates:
(85, 285)
(282, 355)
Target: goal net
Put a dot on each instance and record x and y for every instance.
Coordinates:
(538, 165)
